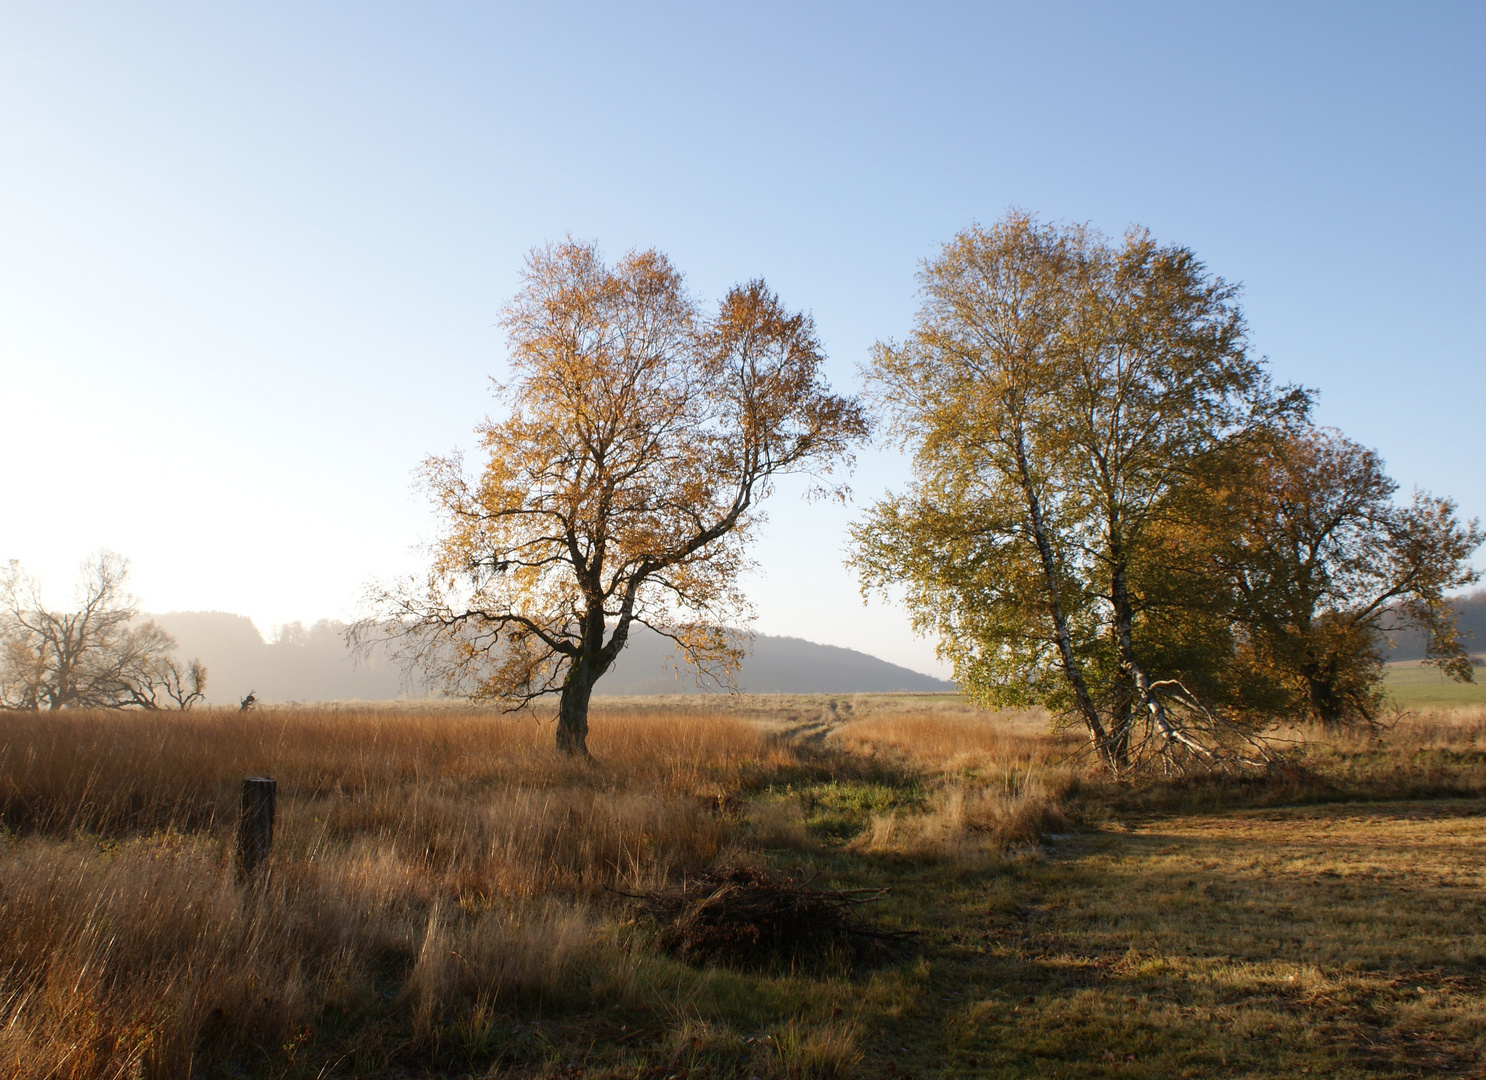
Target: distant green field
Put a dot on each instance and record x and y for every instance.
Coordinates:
(1412, 684)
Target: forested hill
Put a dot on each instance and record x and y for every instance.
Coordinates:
(1470, 617)
(776, 665)
(311, 663)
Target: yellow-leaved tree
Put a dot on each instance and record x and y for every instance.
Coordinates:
(1056, 390)
(620, 486)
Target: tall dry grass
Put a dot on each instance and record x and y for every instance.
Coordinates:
(999, 781)
(448, 859)
(996, 780)
(433, 869)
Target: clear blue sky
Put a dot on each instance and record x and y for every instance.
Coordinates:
(251, 256)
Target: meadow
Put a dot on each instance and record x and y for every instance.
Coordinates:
(1412, 685)
(448, 897)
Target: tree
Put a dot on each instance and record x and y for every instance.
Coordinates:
(96, 656)
(1055, 391)
(167, 680)
(621, 486)
(1300, 545)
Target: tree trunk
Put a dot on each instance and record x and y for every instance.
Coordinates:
(1131, 669)
(1086, 706)
(1320, 686)
(1131, 672)
(572, 711)
(1132, 684)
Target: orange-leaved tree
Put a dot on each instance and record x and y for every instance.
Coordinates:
(1296, 541)
(621, 485)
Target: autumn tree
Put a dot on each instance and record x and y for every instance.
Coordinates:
(96, 654)
(1056, 389)
(1298, 542)
(621, 485)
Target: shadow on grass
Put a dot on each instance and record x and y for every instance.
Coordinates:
(1297, 779)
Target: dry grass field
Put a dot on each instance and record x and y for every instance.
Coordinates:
(447, 897)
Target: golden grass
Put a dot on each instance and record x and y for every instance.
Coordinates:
(998, 781)
(1335, 940)
(450, 855)
(957, 741)
(111, 771)
(441, 900)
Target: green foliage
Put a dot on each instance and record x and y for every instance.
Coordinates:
(1056, 390)
(968, 580)
(1115, 514)
(1295, 542)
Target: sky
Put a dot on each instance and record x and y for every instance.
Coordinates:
(252, 257)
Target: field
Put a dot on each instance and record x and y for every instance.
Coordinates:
(448, 898)
(1413, 685)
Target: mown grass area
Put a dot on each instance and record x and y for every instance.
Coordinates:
(1324, 941)
(447, 898)
(1412, 685)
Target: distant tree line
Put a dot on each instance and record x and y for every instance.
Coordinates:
(95, 654)
(1404, 641)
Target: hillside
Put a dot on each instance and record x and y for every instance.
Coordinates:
(313, 664)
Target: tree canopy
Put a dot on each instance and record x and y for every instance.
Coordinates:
(1298, 543)
(621, 485)
(1065, 398)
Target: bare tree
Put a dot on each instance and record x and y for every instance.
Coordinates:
(620, 488)
(96, 655)
(171, 681)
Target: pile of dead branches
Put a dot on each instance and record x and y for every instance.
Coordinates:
(746, 916)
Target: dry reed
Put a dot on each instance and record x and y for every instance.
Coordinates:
(435, 868)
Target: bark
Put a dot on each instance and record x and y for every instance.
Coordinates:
(572, 712)
(1085, 701)
(1326, 703)
(1133, 683)
(1131, 670)
(593, 659)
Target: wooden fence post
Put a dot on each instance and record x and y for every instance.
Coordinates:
(255, 825)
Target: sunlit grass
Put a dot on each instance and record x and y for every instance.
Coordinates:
(1412, 685)
(447, 896)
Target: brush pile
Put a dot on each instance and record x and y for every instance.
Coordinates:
(745, 916)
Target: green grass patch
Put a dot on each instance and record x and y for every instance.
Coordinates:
(837, 811)
(1413, 685)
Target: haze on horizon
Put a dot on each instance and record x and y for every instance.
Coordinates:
(251, 260)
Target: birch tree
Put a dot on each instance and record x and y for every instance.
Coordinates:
(1056, 389)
